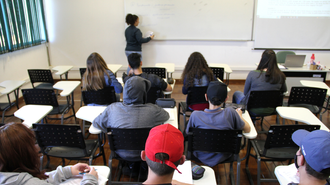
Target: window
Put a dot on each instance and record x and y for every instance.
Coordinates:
(22, 24)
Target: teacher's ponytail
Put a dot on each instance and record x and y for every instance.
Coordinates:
(131, 19)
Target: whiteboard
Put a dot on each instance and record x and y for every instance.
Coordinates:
(194, 19)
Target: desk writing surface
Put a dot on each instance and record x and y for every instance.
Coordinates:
(300, 114)
(253, 133)
(62, 69)
(114, 67)
(172, 85)
(67, 87)
(286, 174)
(9, 86)
(32, 113)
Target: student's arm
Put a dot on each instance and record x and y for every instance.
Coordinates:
(247, 85)
(115, 83)
(246, 127)
(168, 88)
(101, 121)
(284, 88)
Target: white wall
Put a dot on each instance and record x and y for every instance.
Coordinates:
(14, 65)
(78, 27)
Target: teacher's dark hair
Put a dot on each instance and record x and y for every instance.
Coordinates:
(18, 150)
(131, 19)
(268, 61)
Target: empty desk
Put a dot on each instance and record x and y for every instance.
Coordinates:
(300, 114)
(32, 113)
(62, 70)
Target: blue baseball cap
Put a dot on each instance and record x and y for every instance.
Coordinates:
(315, 146)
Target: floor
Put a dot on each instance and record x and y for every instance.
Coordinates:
(223, 170)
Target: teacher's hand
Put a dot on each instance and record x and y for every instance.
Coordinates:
(152, 36)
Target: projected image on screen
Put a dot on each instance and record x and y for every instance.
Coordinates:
(292, 24)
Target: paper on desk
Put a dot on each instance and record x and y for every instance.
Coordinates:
(289, 173)
(186, 176)
(77, 179)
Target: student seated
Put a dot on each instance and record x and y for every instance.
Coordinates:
(266, 77)
(133, 112)
(163, 153)
(216, 118)
(99, 76)
(135, 63)
(19, 160)
(313, 157)
(196, 72)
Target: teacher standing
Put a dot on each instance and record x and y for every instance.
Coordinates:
(133, 36)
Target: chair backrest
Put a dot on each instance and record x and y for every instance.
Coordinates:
(82, 72)
(153, 94)
(159, 71)
(196, 96)
(307, 95)
(265, 100)
(104, 96)
(40, 75)
(210, 140)
(279, 136)
(281, 55)
(40, 97)
(218, 72)
(127, 138)
(54, 135)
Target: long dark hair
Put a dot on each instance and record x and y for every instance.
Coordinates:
(18, 150)
(131, 19)
(196, 67)
(268, 61)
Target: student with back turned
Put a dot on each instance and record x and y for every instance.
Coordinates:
(133, 112)
(135, 64)
(216, 118)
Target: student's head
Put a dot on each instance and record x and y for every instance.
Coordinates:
(135, 90)
(164, 149)
(216, 93)
(93, 78)
(131, 19)
(268, 61)
(18, 150)
(196, 67)
(314, 152)
(134, 60)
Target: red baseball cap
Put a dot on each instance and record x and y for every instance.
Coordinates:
(165, 139)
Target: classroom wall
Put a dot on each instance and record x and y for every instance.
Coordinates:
(14, 65)
(78, 27)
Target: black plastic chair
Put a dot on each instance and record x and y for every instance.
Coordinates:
(195, 97)
(264, 103)
(159, 71)
(216, 141)
(218, 72)
(278, 146)
(82, 72)
(66, 142)
(132, 139)
(102, 97)
(153, 94)
(44, 76)
(48, 97)
(308, 97)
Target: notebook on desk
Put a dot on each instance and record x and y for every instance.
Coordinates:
(294, 60)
